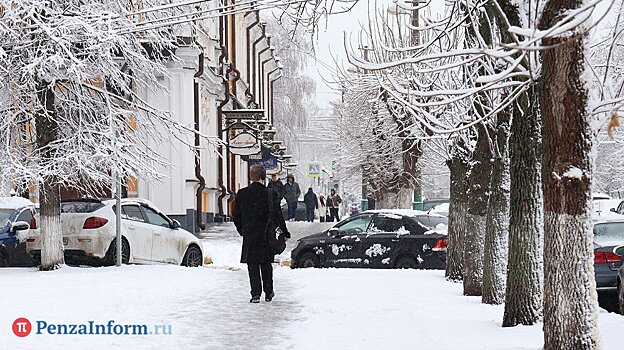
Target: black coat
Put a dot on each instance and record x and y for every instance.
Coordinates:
(310, 200)
(278, 187)
(250, 215)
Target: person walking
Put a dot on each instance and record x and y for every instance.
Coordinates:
(277, 185)
(311, 203)
(322, 208)
(333, 203)
(251, 218)
(291, 193)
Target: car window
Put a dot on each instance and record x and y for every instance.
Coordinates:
(415, 227)
(387, 223)
(80, 207)
(26, 215)
(132, 212)
(155, 218)
(5, 214)
(609, 232)
(357, 224)
(620, 208)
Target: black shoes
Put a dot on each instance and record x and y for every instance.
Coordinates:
(267, 297)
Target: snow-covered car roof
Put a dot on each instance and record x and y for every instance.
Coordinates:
(14, 202)
(404, 212)
(606, 216)
(600, 196)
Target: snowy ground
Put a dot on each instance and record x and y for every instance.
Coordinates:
(208, 308)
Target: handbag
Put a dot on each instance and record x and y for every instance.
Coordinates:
(276, 245)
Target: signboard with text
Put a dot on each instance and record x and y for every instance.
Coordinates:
(244, 144)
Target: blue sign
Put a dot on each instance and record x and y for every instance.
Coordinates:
(270, 164)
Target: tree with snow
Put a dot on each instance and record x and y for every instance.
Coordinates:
(70, 77)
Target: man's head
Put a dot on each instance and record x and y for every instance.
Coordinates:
(257, 174)
(290, 178)
(274, 177)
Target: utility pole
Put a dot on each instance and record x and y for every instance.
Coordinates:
(365, 49)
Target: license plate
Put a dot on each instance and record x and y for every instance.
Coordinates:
(65, 241)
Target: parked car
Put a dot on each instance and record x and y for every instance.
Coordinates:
(619, 209)
(17, 219)
(607, 236)
(429, 203)
(300, 214)
(377, 239)
(148, 235)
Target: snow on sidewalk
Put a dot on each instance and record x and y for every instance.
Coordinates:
(208, 308)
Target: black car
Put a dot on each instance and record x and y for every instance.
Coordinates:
(607, 236)
(376, 239)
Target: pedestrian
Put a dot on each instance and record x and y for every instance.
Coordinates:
(277, 185)
(251, 218)
(322, 208)
(333, 203)
(291, 193)
(311, 203)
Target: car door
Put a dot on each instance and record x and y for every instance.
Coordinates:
(343, 248)
(138, 232)
(165, 240)
(384, 240)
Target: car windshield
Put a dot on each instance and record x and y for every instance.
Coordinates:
(80, 207)
(5, 214)
(609, 232)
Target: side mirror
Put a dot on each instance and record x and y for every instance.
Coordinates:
(613, 210)
(619, 250)
(19, 227)
(334, 231)
(175, 225)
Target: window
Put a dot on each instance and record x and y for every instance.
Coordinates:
(387, 223)
(132, 212)
(415, 227)
(80, 207)
(607, 232)
(26, 215)
(356, 225)
(156, 219)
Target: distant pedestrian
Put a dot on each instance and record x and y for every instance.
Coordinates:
(251, 218)
(311, 203)
(333, 203)
(322, 208)
(291, 193)
(277, 185)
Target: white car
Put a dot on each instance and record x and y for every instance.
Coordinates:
(149, 236)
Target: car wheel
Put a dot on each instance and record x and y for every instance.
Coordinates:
(309, 259)
(111, 255)
(406, 262)
(193, 257)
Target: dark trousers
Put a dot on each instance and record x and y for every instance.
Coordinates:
(333, 214)
(292, 210)
(310, 214)
(254, 278)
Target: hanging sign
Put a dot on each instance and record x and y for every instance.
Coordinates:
(244, 144)
(313, 169)
(271, 165)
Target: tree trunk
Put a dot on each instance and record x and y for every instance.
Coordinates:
(479, 183)
(52, 255)
(458, 166)
(570, 298)
(497, 221)
(524, 296)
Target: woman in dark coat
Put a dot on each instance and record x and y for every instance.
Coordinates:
(250, 216)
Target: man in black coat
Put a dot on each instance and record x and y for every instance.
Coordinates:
(311, 203)
(250, 215)
(277, 185)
